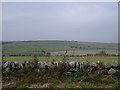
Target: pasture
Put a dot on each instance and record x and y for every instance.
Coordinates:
(28, 48)
(85, 52)
(105, 59)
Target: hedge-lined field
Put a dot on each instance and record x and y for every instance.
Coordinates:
(28, 48)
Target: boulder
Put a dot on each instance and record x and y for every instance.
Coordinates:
(107, 67)
(112, 71)
(114, 63)
(118, 67)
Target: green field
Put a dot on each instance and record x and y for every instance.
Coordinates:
(84, 52)
(105, 59)
(56, 47)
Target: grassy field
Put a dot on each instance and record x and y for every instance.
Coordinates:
(84, 52)
(54, 46)
(58, 48)
(105, 59)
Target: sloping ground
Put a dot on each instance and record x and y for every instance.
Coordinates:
(85, 52)
(105, 59)
(35, 47)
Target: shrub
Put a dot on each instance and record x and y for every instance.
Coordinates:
(35, 60)
(26, 85)
(102, 53)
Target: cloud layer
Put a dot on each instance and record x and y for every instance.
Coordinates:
(94, 22)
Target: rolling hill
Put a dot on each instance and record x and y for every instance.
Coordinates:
(54, 46)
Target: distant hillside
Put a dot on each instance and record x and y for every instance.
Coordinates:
(36, 47)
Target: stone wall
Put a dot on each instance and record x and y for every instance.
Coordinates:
(67, 67)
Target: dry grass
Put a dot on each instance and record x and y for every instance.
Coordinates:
(29, 78)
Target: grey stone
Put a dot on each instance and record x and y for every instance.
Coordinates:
(114, 63)
(107, 66)
(112, 71)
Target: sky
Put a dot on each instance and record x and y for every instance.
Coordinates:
(0, 22)
(79, 21)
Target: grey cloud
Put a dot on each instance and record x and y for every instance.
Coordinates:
(66, 21)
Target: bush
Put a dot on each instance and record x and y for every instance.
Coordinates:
(35, 60)
(102, 53)
(26, 85)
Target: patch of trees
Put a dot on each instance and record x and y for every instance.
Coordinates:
(25, 55)
(36, 51)
(30, 41)
(101, 48)
(19, 55)
(7, 43)
(45, 53)
(73, 47)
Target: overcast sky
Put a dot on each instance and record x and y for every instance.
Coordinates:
(83, 21)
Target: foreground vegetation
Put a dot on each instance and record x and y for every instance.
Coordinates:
(57, 78)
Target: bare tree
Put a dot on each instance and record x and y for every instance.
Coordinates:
(65, 56)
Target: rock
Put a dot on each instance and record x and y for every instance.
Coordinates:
(46, 85)
(112, 71)
(118, 67)
(103, 72)
(114, 63)
(100, 65)
(94, 64)
(108, 67)
(69, 72)
(72, 64)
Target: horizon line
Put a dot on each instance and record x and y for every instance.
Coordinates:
(56, 40)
